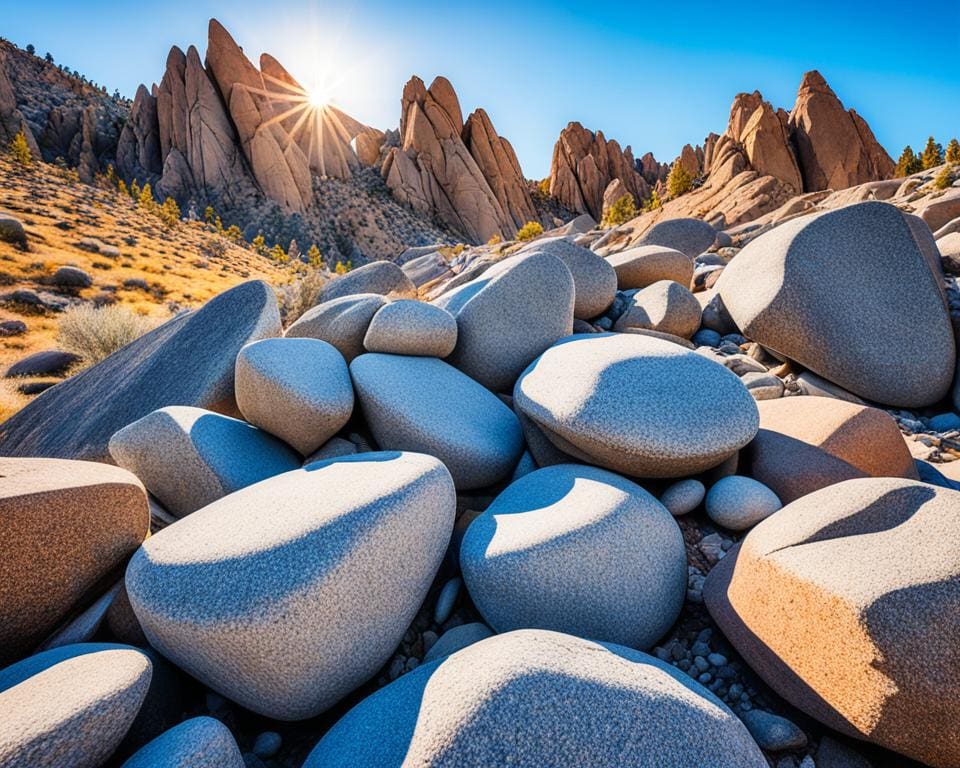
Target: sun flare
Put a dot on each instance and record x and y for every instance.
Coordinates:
(319, 97)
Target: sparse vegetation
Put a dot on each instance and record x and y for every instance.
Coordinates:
(314, 259)
(259, 243)
(169, 212)
(279, 255)
(95, 333)
(20, 149)
(908, 163)
(530, 230)
(342, 268)
(495, 240)
(300, 295)
(953, 151)
(679, 181)
(945, 178)
(622, 210)
(544, 187)
(653, 202)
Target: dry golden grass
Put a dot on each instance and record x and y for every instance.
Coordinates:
(159, 270)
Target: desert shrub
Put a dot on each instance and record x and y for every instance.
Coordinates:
(169, 212)
(20, 149)
(945, 178)
(342, 268)
(495, 240)
(622, 210)
(544, 187)
(278, 254)
(259, 244)
(679, 181)
(297, 296)
(932, 154)
(653, 202)
(94, 333)
(530, 230)
(233, 232)
(314, 259)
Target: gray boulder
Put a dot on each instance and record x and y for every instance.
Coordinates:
(12, 231)
(188, 360)
(665, 306)
(423, 404)
(334, 561)
(50, 362)
(71, 277)
(70, 706)
(200, 742)
(580, 550)
(456, 639)
(426, 268)
(738, 502)
(342, 322)
(509, 315)
(594, 280)
(683, 497)
(635, 404)
(409, 327)
(381, 277)
(296, 389)
(189, 457)
(689, 236)
(533, 698)
(854, 295)
(645, 265)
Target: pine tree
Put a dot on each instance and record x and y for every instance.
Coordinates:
(908, 163)
(932, 155)
(30, 49)
(134, 190)
(314, 259)
(953, 151)
(624, 209)
(208, 214)
(170, 212)
(20, 149)
(943, 179)
(278, 255)
(48, 58)
(679, 181)
(259, 244)
(145, 200)
(653, 202)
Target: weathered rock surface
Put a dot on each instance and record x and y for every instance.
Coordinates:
(689, 236)
(174, 364)
(336, 558)
(637, 405)
(65, 526)
(644, 265)
(523, 559)
(409, 327)
(425, 405)
(664, 306)
(594, 279)
(844, 603)
(188, 457)
(200, 742)
(49, 362)
(381, 277)
(533, 698)
(738, 503)
(341, 322)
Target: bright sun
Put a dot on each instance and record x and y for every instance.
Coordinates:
(319, 97)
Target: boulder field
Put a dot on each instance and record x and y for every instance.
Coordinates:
(691, 502)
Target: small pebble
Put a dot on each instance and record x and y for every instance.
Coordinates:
(447, 599)
(683, 497)
(267, 744)
(738, 503)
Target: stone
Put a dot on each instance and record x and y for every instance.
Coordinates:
(71, 277)
(335, 558)
(738, 502)
(534, 698)
(383, 278)
(594, 279)
(332, 449)
(70, 706)
(12, 328)
(637, 405)
(524, 559)
(427, 268)
(664, 306)
(267, 744)
(509, 315)
(808, 443)
(298, 389)
(447, 600)
(426, 405)
(175, 364)
(457, 639)
(834, 754)
(689, 236)
(859, 277)
(772, 732)
(409, 327)
(647, 264)
(12, 231)
(342, 322)
(189, 457)
(949, 247)
(762, 386)
(683, 497)
(65, 527)
(944, 422)
(50, 362)
(816, 386)
(200, 742)
(844, 603)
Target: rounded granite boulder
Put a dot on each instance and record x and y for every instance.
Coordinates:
(637, 405)
(845, 603)
(342, 322)
(579, 550)
(594, 279)
(534, 698)
(665, 307)
(425, 405)
(70, 706)
(645, 265)
(189, 457)
(683, 497)
(64, 527)
(689, 236)
(509, 315)
(380, 277)
(852, 295)
(201, 742)
(408, 327)
(296, 389)
(287, 595)
(738, 502)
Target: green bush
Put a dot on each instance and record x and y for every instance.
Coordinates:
(908, 163)
(953, 151)
(932, 155)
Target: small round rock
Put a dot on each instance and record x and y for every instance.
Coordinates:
(410, 327)
(772, 732)
(683, 497)
(738, 502)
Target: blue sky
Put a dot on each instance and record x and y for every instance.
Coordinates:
(654, 76)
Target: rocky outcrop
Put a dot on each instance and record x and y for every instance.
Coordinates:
(762, 133)
(583, 165)
(138, 152)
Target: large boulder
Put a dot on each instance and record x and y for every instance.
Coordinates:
(296, 389)
(807, 443)
(689, 236)
(423, 404)
(647, 264)
(188, 360)
(380, 277)
(534, 698)
(189, 457)
(845, 603)
(852, 294)
(594, 279)
(509, 315)
(342, 322)
(70, 706)
(409, 327)
(65, 526)
(334, 560)
(200, 742)
(579, 550)
(665, 306)
(637, 405)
